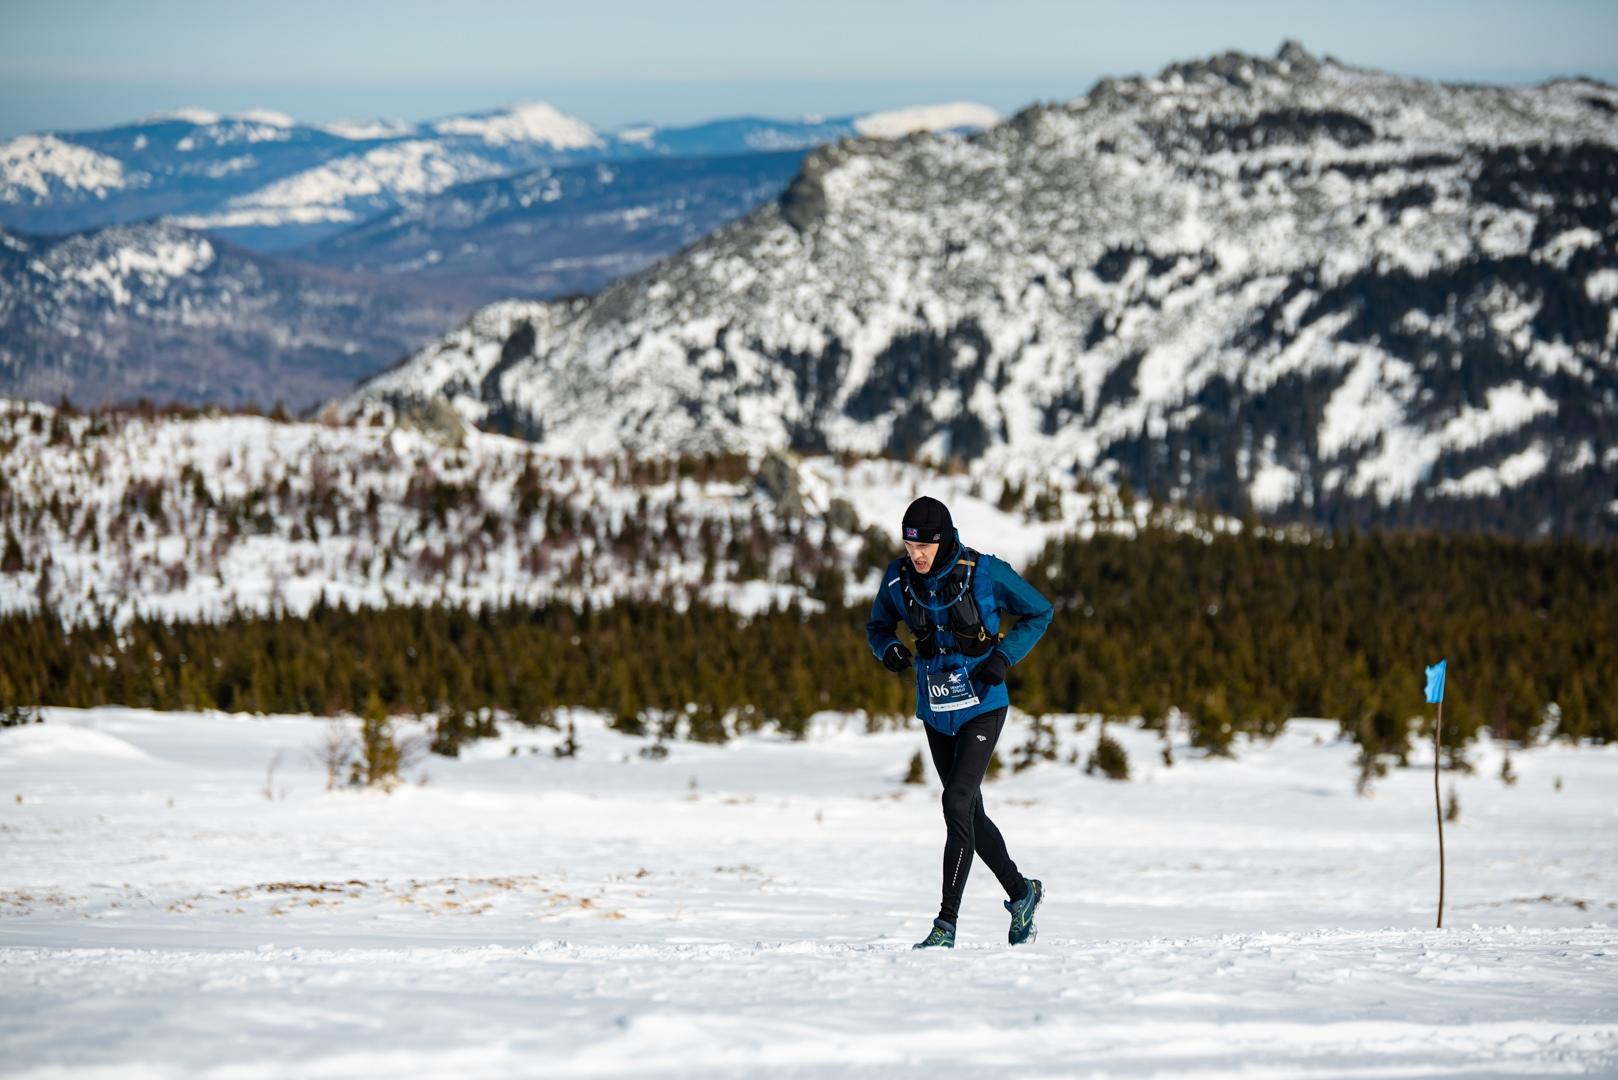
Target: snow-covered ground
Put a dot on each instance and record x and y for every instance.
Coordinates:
(747, 910)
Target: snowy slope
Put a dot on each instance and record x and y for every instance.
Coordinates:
(193, 517)
(1284, 284)
(747, 910)
(34, 168)
(349, 189)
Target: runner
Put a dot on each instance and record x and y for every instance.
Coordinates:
(951, 598)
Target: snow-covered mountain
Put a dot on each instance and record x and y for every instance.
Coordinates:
(157, 311)
(558, 231)
(268, 182)
(1282, 284)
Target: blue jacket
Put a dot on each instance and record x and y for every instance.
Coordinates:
(996, 587)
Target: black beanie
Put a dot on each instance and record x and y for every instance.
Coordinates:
(927, 521)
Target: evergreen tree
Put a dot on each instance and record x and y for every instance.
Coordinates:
(379, 753)
(1109, 758)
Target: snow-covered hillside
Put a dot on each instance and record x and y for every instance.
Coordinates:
(39, 167)
(183, 897)
(350, 189)
(161, 312)
(193, 517)
(1285, 284)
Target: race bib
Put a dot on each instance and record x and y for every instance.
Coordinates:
(950, 690)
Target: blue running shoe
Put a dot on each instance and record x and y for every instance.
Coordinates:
(942, 936)
(1022, 912)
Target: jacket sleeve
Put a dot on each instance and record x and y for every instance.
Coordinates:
(884, 618)
(1033, 611)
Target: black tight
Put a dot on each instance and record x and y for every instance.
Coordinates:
(961, 760)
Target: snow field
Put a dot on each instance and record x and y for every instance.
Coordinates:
(747, 909)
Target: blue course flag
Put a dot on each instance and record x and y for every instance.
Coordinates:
(1435, 682)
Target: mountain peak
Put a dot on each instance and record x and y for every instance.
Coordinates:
(894, 123)
(1292, 60)
(267, 117)
(535, 122)
(186, 114)
(1293, 53)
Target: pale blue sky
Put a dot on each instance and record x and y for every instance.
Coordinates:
(68, 64)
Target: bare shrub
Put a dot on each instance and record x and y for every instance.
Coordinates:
(336, 752)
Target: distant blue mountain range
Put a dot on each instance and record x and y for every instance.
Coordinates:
(267, 182)
(251, 257)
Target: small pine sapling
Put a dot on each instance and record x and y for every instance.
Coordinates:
(380, 755)
(917, 773)
(1108, 758)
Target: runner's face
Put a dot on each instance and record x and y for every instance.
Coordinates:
(922, 555)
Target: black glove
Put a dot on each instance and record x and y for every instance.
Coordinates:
(897, 658)
(992, 670)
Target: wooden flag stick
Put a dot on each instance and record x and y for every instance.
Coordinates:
(1438, 804)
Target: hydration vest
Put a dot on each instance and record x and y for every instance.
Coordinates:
(949, 605)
